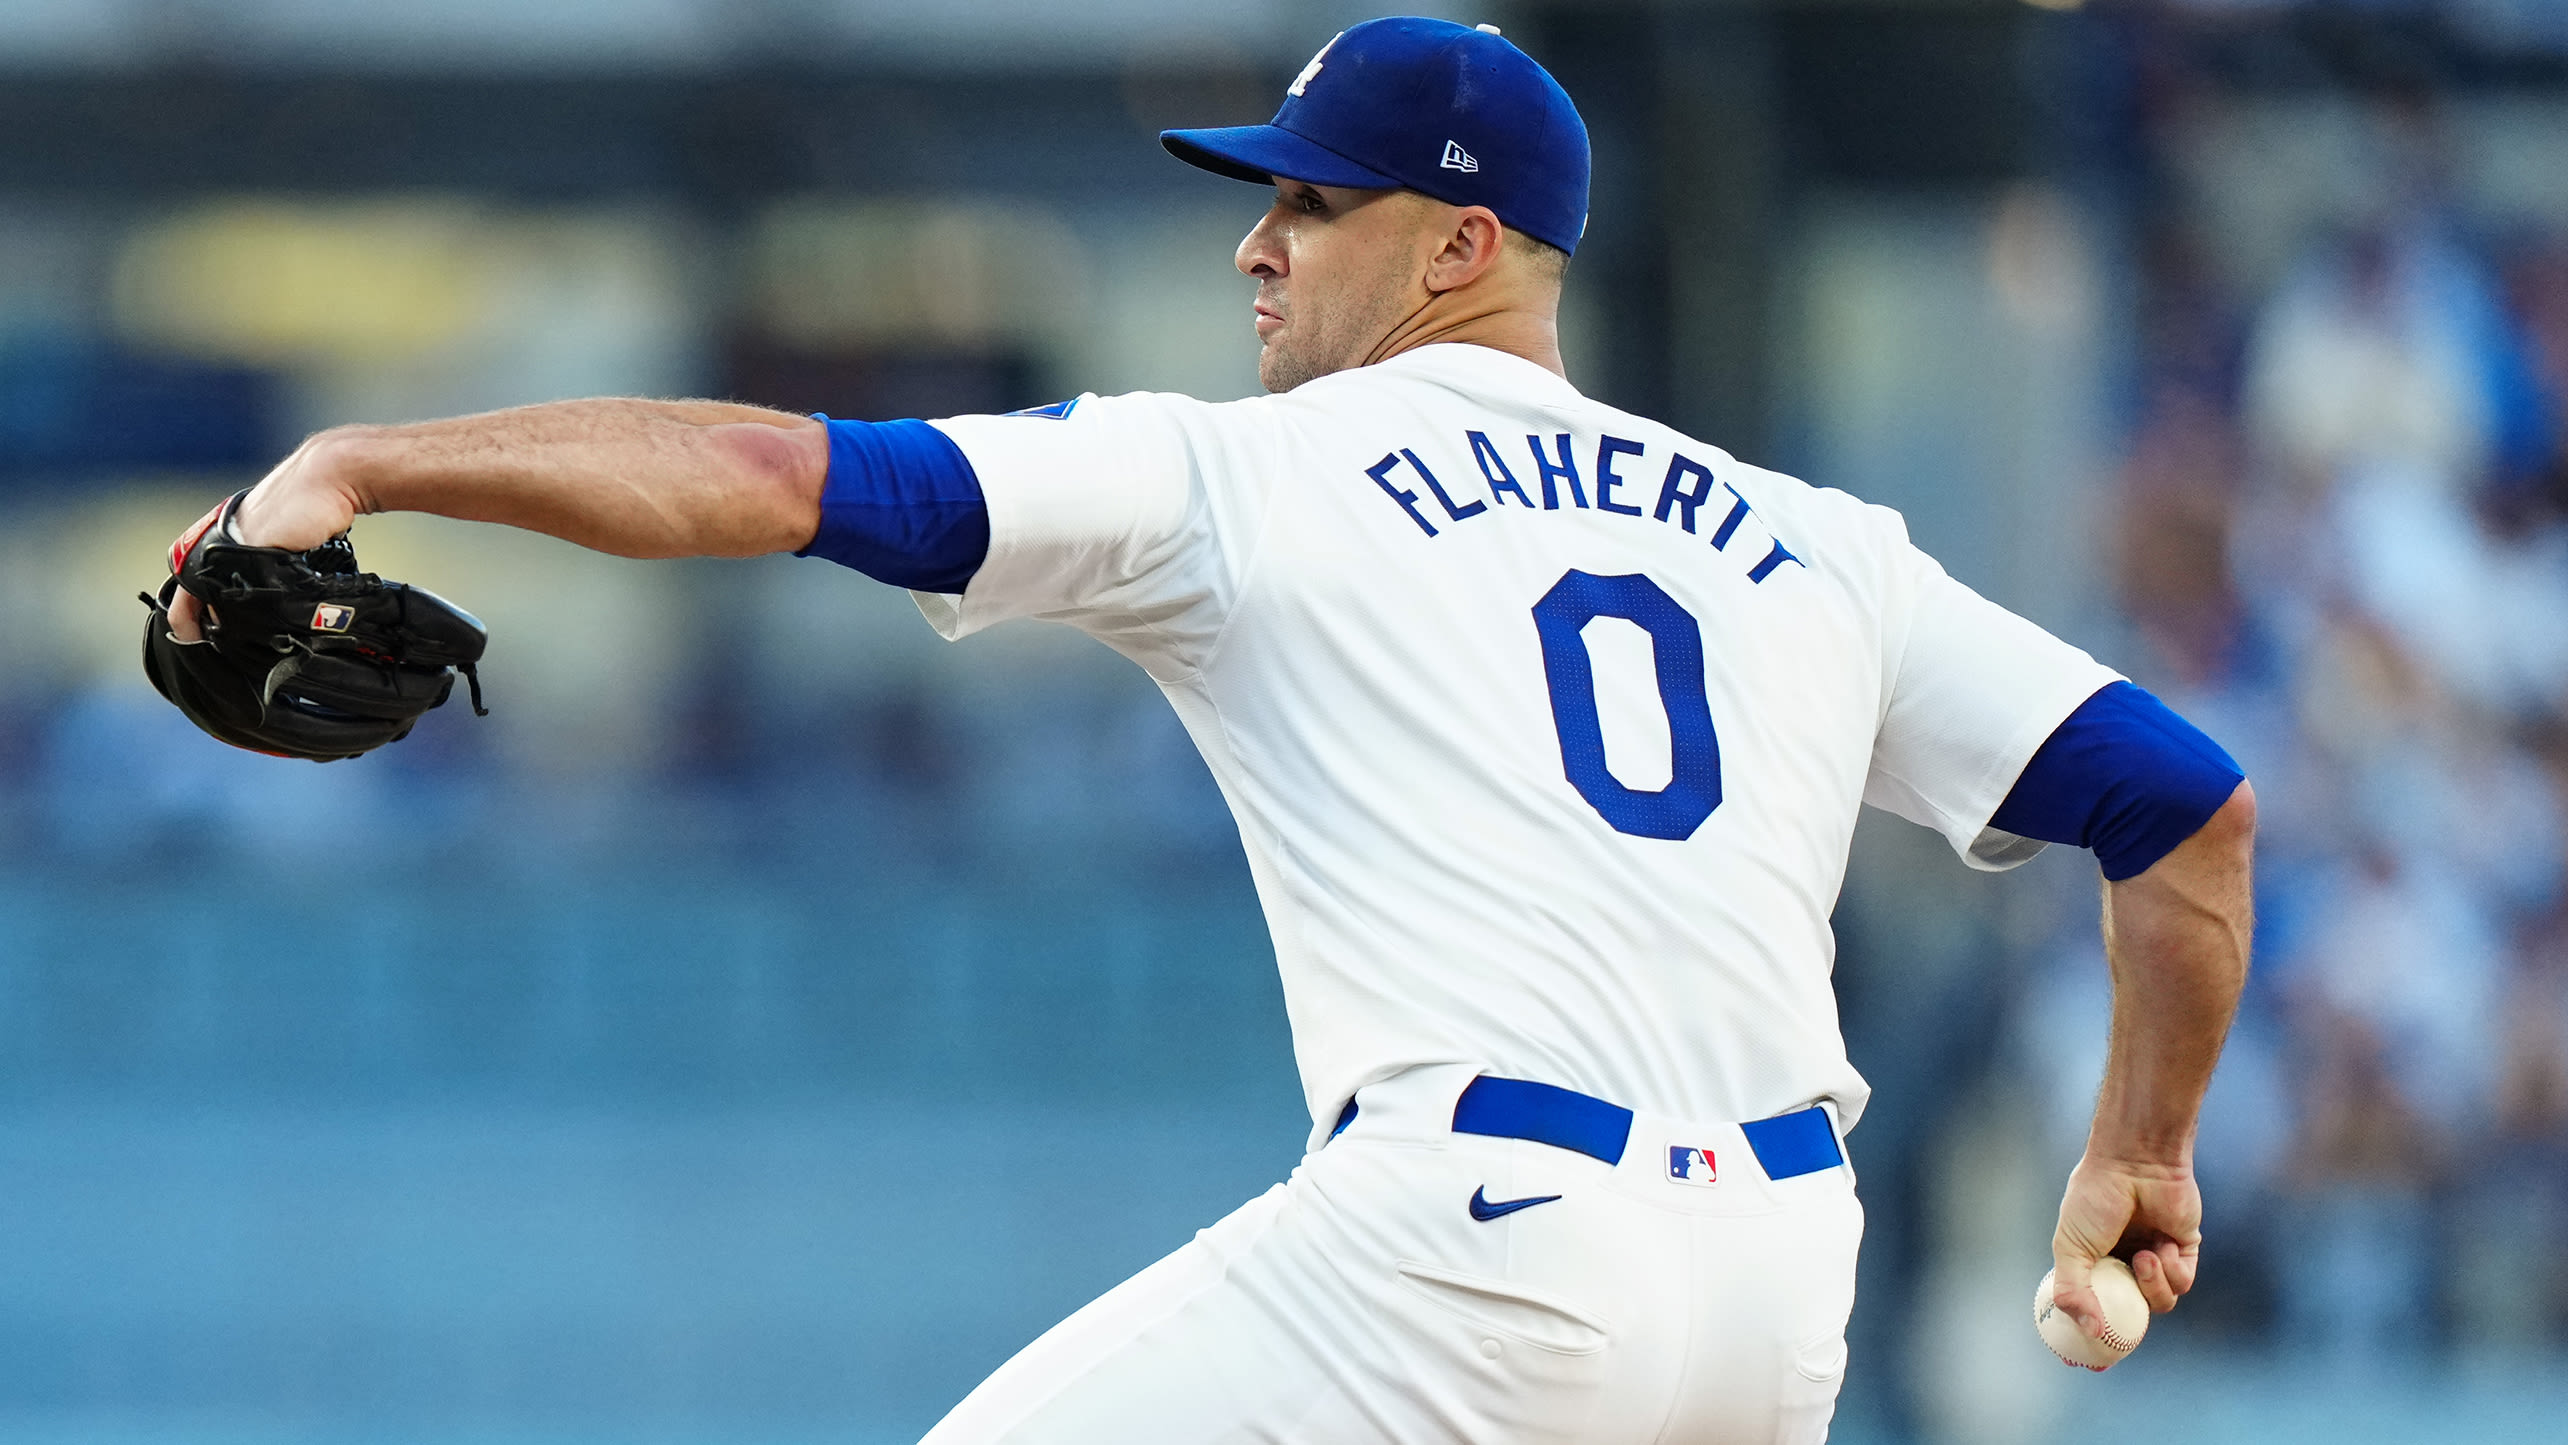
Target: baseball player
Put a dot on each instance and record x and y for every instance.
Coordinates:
(1546, 728)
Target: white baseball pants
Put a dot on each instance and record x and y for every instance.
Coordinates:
(1362, 1301)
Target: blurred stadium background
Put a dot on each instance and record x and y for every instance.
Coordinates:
(770, 1018)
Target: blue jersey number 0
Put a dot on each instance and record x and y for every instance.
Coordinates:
(1694, 784)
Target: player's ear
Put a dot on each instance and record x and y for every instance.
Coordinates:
(1470, 245)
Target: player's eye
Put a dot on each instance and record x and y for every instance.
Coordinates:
(1309, 203)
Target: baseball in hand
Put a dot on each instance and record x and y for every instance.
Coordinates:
(2126, 1318)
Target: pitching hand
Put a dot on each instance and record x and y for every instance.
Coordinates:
(2149, 1213)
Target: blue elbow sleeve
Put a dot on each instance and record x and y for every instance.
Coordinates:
(902, 506)
(2123, 776)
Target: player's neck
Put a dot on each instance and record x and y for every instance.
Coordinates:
(1518, 325)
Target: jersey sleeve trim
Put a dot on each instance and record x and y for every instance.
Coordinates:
(2124, 776)
(902, 505)
(1992, 847)
(1975, 692)
(1099, 519)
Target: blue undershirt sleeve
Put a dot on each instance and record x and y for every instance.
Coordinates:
(2123, 776)
(902, 506)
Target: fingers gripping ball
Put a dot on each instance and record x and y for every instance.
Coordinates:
(304, 656)
(2126, 1318)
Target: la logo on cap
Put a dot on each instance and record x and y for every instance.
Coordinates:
(1311, 71)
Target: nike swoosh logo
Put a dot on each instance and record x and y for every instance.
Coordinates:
(1484, 1211)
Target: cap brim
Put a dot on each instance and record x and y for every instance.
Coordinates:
(1261, 153)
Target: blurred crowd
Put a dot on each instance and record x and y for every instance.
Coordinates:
(2344, 540)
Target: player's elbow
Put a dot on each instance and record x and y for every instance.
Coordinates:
(2213, 865)
(2223, 843)
(773, 479)
(2230, 831)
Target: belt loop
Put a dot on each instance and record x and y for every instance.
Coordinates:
(1837, 1129)
(1346, 1116)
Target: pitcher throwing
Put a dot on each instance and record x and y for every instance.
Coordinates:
(1546, 728)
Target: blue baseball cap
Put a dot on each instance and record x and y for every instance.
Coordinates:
(1455, 112)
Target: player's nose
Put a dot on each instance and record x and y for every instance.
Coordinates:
(1261, 252)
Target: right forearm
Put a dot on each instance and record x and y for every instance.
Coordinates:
(2177, 938)
(632, 477)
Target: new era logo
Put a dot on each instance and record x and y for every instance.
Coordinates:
(1458, 159)
(331, 617)
(1692, 1166)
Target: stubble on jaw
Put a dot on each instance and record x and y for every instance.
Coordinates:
(1305, 350)
(1280, 370)
(1334, 336)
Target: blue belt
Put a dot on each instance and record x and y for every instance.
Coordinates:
(1786, 1146)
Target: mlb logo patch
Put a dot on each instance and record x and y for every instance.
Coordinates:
(331, 617)
(1688, 1165)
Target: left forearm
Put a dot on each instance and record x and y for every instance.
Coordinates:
(635, 477)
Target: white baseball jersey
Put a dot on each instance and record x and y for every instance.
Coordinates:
(1545, 725)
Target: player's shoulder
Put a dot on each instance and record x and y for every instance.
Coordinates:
(1223, 438)
(1154, 432)
(1832, 510)
(1849, 529)
(1091, 410)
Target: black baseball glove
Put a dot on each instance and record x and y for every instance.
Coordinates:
(304, 656)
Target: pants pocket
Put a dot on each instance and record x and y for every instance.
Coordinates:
(1528, 1316)
(1822, 1360)
(1809, 1393)
(1501, 1361)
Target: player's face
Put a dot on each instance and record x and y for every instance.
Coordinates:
(1336, 270)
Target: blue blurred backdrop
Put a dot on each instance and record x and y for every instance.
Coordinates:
(771, 1018)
